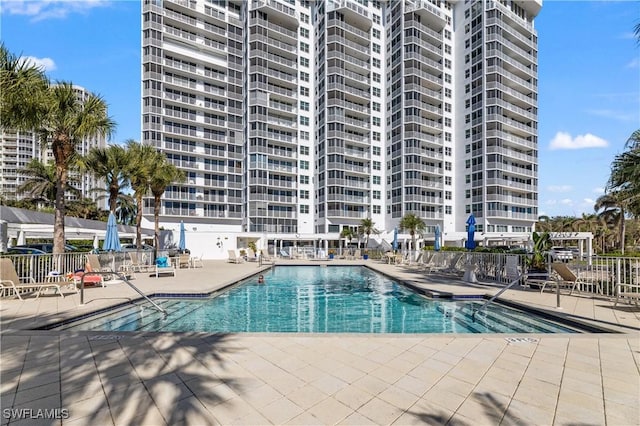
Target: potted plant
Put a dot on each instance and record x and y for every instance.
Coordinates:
(366, 255)
(537, 263)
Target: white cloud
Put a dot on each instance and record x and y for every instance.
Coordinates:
(46, 64)
(634, 63)
(616, 115)
(563, 140)
(551, 202)
(559, 188)
(566, 201)
(598, 190)
(49, 9)
(588, 201)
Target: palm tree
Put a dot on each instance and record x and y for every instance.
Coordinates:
(67, 122)
(40, 185)
(23, 92)
(613, 208)
(347, 233)
(86, 208)
(163, 174)
(413, 224)
(367, 227)
(142, 159)
(127, 211)
(109, 164)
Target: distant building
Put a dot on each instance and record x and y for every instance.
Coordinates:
(17, 149)
(304, 117)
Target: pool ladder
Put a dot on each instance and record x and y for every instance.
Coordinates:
(123, 278)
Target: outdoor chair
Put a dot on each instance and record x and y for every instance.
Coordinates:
(184, 261)
(561, 276)
(9, 280)
(196, 261)
(627, 291)
(164, 267)
(233, 258)
(285, 254)
(135, 263)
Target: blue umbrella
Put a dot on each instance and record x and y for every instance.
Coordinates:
(182, 244)
(436, 244)
(471, 243)
(395, 239)
(111, 239)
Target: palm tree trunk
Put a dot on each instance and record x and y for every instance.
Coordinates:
(58, 223)
(622, 230)
(156, 220)
(139, 222)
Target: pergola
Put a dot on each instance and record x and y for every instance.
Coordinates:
(21, 224)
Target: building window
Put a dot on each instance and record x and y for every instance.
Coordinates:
(375, 91)
(376, 210)
(304, 91)
(304, 18)
(304, 62)
(304, 179)
(376, 19)
(304, 165)
(447, 93)
(447, 209)
(376, 137)
(376, 77)
(376, 33)
(376, 165)
(447, 180)
(304, 135)
(376, 62)
(304, 47)
(376, 150)
(376, 180)
(376, 121)
(447, 122)
(304, 106)
(447, 49)
(376, 47)
(304, 150)
(304, 32)
(376, 195)
(304, 208)
(304, 194)
(447, 195)
(447, 151)
(447, 78)
(447, 165)
(304, 120)
(304, 76)
(447, 63)
(447, 107)
(376, 106)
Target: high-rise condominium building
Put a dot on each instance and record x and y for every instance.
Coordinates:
(305, 117)
(17, 149)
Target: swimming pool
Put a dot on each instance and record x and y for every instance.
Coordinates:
(315, 299)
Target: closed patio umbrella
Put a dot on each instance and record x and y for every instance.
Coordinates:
(436, 244)
(111, 239)
(395, 239)
(182, 243)
(471, 229)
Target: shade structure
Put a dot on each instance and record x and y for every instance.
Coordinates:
(436, 244)
(111, 239)
(182, 243)
(395, 239)
(471, 230)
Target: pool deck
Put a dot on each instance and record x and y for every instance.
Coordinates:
(101, 378)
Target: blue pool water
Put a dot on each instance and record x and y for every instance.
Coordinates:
(314, 299)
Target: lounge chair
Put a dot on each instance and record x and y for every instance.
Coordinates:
(134, 263)
(265, 258)
(285, 254)
(197, 260)
(164, 267)
(184, 261)
(565, 277)
(233, 258)
(9, 280)
(627, 291)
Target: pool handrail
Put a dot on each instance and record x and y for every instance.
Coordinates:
(517, 280)
(123, 278)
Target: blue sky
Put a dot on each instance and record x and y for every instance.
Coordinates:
(589, 79)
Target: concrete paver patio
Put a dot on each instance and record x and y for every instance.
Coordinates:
(121, 378)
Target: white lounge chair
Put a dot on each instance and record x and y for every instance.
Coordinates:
(9, 280)
(233, 258)
(196, 261)
(163, 267)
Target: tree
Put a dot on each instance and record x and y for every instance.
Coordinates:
(347, 233)
(613, 212)
(413, 224)
(86, 208)
(142, 160)
(24, 92)
(40, 185)
(367, 227)
(163, 174)
(109, 164)
(67, 122)
(127, 211)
